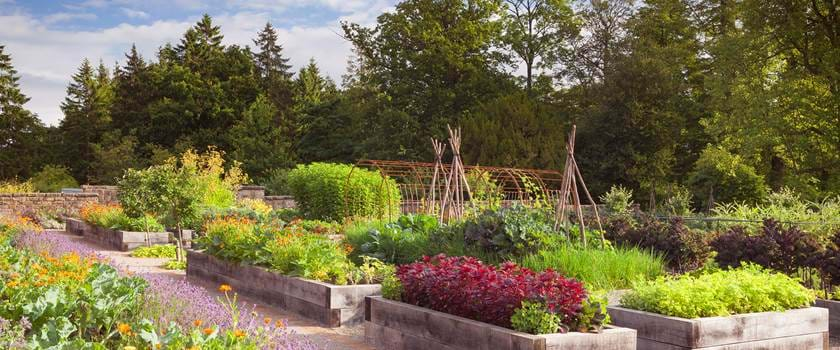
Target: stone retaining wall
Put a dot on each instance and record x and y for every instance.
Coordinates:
(329, 304)
(799, 329)
(394, 325)
(59, 203)
(280, 202)
(107, 194)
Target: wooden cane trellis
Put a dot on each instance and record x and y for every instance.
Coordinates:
(569, 193)
(452, 206)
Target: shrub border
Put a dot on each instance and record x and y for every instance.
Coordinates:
(332, 305)
(396, 325)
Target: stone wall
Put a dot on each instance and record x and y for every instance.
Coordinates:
(280, 202)
(107, 194)
(250, 192)
(60, 203)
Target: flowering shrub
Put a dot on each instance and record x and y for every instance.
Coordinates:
(65, 300)
(464, 286)
(113, 217)
(52, 297)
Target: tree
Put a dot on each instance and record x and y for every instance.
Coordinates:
(257, 141)
(86, 117)
(537, 31)
(21, 132)
(132, 95)
(434, 61)
(776, 90)
(722, 177)
(52, 178)
(514, 131)
(273, 73)
(112, 156)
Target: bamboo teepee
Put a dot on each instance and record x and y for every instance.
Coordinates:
(439, 172)
(569, 197)
(452, 206)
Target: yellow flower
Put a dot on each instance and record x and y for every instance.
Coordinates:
(124, 328)
(194, 348)
(157, 346)
(267, 320)
(239, 333)
(208, 331)
(129, 348)
(225, 288)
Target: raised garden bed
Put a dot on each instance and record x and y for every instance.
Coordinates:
(332, 305)
(395, 325)
(833, 315)
(798, 329)
(118, 239)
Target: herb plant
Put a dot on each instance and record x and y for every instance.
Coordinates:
(726, 292)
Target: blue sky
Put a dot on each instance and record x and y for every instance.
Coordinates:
(49, 39)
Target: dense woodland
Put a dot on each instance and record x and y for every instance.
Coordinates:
(732, 98)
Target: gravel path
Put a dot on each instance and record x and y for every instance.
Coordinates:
(351, 338)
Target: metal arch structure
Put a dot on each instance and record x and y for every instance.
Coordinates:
(421, 186)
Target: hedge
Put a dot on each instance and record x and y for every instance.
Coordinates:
(327, 191)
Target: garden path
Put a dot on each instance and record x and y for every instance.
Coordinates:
(350, 338)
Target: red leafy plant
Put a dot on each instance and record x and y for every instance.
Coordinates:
(464, 286)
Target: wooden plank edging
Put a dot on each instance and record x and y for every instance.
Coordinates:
(710, 332)
(398, 326)
(332, 305)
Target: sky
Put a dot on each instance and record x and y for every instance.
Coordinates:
(49, 39)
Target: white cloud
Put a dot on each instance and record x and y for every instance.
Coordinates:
(134, 13)
(68, 16)
(46, 57)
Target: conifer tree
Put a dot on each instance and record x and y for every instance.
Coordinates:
(20, 130)
(86, 117)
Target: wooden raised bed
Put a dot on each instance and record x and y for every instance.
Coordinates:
(833, 315)
(798, 329)
(330, 304)
(120, 240)
(395, 325)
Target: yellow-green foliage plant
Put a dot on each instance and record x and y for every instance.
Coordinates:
(16, 187)
(743, 290)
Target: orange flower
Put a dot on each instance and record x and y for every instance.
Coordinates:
(239, 333)
(267, 320)
(208, 331)
(124, 328)
(225, 288)
(197, 323)
(279, 324)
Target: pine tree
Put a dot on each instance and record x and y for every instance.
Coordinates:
(270, 61)
(20, 130)
(258, 143)
(310, 86)
(86, 117)
(200, 44)
(131, 94)
(274, 76)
